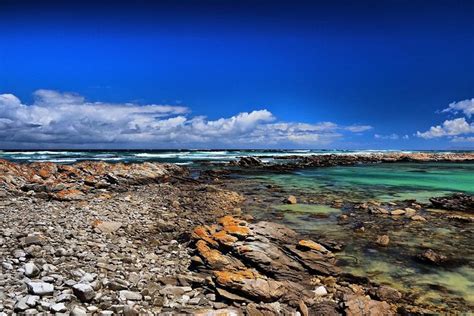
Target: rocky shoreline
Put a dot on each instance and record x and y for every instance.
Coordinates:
(104, 239)
(291, 162)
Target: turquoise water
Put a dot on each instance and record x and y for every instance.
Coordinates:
(384, 182)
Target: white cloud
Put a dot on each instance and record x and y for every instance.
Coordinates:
(465, 106)
(68, 119)
(391, 137)
(458, 129)
(448, 128)
(358, 128)
(461, 139)
(387, 137)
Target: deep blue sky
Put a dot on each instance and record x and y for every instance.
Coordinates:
(388, 64)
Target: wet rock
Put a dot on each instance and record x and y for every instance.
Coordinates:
(418, 218)
(386, 293)
(383, 240)
(431, 257)
(456, 202)
(409, 212)
(249, 162)
(397, 212)
(291, 200)
(315, 262)
(311, 245)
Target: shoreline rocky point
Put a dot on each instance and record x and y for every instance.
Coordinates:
(96, 238)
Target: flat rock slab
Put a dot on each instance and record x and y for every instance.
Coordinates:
(107, 227)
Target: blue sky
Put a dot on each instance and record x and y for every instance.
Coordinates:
(208, 74)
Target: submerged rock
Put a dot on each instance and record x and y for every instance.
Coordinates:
(383, 240)
(431, 257)
(456, 202)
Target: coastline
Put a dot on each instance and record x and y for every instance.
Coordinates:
(147, 238)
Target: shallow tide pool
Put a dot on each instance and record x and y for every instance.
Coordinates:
(451, 287)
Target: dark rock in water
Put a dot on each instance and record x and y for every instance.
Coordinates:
(456, 202)
(431, 257)
(387, 293)
(249, 162)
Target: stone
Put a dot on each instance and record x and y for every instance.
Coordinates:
(418, 218)
(19, 253)
(320, 291)
(83, 291)
(31, 270)
(409, 212)
(303, 308)
(129, 295)
(40, 288)
(78, 311)
(291, 200)
(309, 244)
(175, 290)
(455, 202)
(107, 227)
(431, 257)
(21, 305)
(32, 300)
(364, 305)
(58, 308)
(383, 240)
(387, 293)
(34, 239)
(130, 311)
(397, 212)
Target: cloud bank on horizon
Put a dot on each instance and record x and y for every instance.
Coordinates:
(457, 129)
(58, 119)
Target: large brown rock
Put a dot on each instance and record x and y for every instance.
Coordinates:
(365, 306)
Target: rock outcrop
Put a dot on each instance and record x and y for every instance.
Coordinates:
(72, 182)
(290, 162)
(268, 263)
